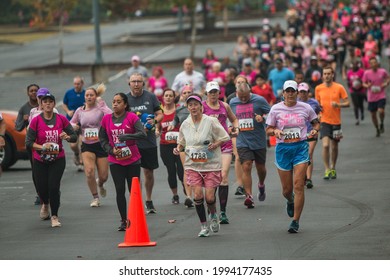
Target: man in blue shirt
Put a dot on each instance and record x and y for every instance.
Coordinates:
(278, 76)
(73, 99)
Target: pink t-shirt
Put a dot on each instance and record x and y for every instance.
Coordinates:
(130, 150)
(219, 77)
(47, 134)
(157, 86)
(90, 120)
(291, 120)
(376, 91)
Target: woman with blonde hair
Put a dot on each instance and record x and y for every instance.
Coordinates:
(88, 118)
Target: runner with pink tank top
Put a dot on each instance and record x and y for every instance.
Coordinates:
(117, 136)
(222, 111)
(44, 137)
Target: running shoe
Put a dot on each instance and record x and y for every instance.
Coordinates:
(223, 219)
(76, 159)
(80, 168)
(294, 226)
(309, 184)
(333, 174)
(240, 191)
(204, 232)
(290, 208)
(261, 194)
(382, 128)
(327, 175)
(175, 199)
(150, 208)
(378, 132)
(122, 227)
(214, 223)
(55, 222)
(44, 213)
(188, 202)
(37, 201)
(102, 190)
(95, 202)
(249, 202)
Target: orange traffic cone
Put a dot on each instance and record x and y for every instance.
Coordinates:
(137, 234)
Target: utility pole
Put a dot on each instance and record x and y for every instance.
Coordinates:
(98, 68)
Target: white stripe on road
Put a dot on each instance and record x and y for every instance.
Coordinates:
(14, 182)
(12, 188)
(123, 72)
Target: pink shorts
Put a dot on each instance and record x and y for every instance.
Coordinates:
(227, 147)
(208, 179)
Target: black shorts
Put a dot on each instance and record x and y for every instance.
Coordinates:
(246, 154)
(149, 158)
(374, 106)
(327, 130)
(95, 148)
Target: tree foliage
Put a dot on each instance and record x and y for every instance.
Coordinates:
(47, 11)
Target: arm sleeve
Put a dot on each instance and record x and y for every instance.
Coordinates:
(139, 133)
(20, 123)
(69, 130)
(31, 135)
(104, 142)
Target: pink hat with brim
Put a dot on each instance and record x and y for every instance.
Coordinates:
(195, 97)
(303, 86)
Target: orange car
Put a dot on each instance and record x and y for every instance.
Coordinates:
(15, 147)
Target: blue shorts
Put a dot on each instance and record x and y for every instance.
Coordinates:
(291, 154)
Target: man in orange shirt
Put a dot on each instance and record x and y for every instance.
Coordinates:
(332, 96)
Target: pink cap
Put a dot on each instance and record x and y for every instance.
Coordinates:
(303, 86)
(195, 97)
(135, 58)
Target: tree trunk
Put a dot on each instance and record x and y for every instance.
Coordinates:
(225, 22)
(193, 33)
(61, 33)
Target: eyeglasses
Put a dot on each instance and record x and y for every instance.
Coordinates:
(214, 91)
(137, 81)
(303, 91)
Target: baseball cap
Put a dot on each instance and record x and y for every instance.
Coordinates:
(212, 85)
(135, 58)
(313, 57)
(48, 95)
(247, 61)
(303, 86)
(195, 97)
(42, 91)
(290, 84)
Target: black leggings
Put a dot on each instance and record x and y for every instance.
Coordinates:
(31, 158)
(173, 164)
(48, 178)
(120, 174)
(358, 104)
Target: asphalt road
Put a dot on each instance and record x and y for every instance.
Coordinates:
(343, 219)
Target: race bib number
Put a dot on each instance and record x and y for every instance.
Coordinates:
(171, 136)
(91, 134)
(246, 124)
(292, 135)
(51, 148)
(375, 89)
(337, 134)
(125, 154)
(198, 155)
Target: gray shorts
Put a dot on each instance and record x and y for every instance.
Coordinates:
(258, 156)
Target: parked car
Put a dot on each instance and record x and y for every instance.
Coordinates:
(15, 147)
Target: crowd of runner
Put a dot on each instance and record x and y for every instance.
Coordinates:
(279, 85)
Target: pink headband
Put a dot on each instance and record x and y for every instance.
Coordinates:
(197, 98)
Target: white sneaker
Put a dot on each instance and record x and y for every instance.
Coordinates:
(204, 231)
(44, 214)
(214, 223)
(102, 190)
(95, 202)
(55, 222)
